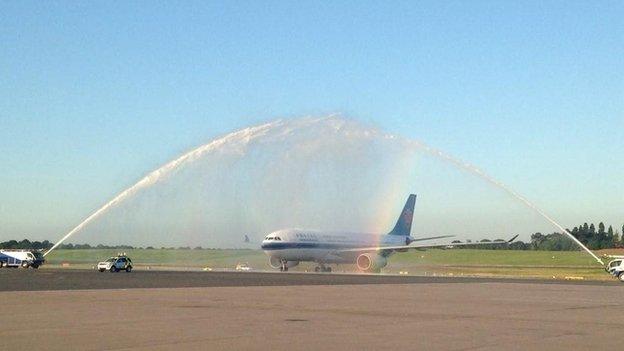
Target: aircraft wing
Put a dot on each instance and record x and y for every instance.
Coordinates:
(425, 246)
(433, 237)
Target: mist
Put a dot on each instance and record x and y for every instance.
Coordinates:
(327, 173)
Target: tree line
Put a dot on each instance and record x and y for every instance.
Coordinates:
(46, 245)
(594, 239)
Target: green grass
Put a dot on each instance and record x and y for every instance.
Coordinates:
(508, 263)
(163, 257)
(499, 263)
(496, 258)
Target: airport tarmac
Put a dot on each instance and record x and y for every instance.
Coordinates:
(256, 311)
(81, 279)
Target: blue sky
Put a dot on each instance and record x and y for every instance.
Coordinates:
(93, 96)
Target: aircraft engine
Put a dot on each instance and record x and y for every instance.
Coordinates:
(276, 263)
(371, 263)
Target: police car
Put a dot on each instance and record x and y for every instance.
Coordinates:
(116, 264)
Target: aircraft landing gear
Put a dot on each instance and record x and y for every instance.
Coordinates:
(322, 268)
(284, 266)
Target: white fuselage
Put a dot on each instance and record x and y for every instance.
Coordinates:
(323, 247)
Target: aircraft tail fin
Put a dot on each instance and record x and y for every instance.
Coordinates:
(403, 225)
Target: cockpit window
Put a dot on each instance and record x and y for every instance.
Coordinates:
(270, 238)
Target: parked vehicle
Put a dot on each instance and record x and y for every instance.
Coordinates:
(115, 264)
(21, 258)
(616, 267)
(243, 267)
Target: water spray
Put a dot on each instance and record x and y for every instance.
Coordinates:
(157, 175)
(476, 171)
(239, 140)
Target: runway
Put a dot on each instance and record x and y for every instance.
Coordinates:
(75, 279)
(88, 310)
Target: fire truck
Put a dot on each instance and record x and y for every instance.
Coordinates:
(21, 258)
(616, 267)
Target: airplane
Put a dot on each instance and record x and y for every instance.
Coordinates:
(370, 252)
